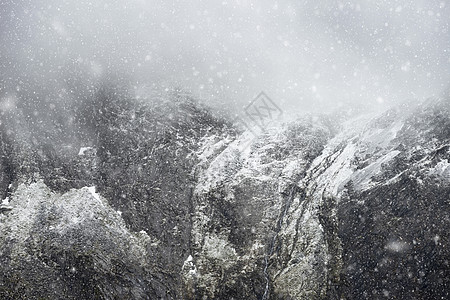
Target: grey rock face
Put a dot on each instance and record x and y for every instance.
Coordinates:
(166, 201)
(138, 159)
(240, 201)
(69, 246)
(394, 232)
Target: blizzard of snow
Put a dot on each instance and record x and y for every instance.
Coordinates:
(397, 246)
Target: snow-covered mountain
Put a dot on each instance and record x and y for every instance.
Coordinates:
(165, 200)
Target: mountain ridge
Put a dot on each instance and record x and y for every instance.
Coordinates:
(312, 209)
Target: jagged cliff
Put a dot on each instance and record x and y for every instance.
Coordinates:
(126, 199)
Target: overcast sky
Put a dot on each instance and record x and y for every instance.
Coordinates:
(303, 54)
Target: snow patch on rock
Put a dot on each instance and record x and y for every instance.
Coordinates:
(92, 189)
(84, 150)
(442, 169)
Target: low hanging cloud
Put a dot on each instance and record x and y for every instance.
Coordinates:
(304, 54)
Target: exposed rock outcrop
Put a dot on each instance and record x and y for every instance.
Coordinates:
(168, 201)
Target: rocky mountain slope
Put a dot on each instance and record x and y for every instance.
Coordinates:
(161, 199)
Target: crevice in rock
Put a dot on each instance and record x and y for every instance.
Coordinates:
(328, 220)
(273, 242)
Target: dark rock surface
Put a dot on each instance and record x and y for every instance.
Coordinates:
(115, 198)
